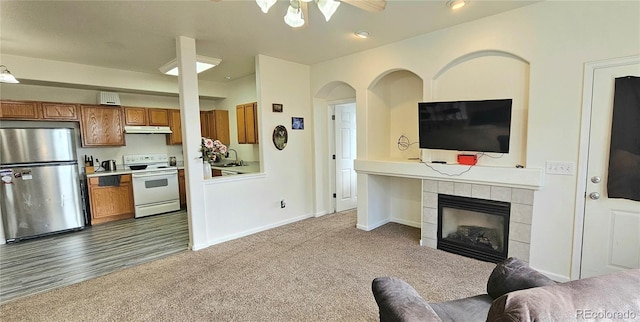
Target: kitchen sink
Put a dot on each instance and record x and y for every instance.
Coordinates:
(233, 164)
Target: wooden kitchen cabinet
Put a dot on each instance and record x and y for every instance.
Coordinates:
(59, 111)
(181, 188)
(101, 125)
(135, 116)
(215, 125)
(23, 110)
(158, 116)
(176, 128)
(247, 120)
(146, 116)
(110, 203)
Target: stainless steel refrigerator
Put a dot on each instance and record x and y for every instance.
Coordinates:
(39, 187)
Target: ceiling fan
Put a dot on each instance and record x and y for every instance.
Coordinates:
(298, 9)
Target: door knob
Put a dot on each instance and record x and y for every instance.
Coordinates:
(595, 179)
(594, 195)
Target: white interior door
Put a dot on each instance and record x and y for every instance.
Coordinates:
(345, 134)
(611, 235)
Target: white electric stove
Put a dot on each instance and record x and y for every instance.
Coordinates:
(155, 188)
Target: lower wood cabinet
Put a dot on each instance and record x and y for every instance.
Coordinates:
(110, 203)
(181, 189)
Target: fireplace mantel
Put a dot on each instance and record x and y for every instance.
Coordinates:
(523, 178)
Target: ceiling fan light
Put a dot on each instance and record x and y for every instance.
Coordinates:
(6, 76)
(265, 5)
(294, 17)
(328, 7)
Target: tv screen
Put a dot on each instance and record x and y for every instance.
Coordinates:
(481, 126)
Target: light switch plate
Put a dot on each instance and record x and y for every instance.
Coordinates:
(560, 167)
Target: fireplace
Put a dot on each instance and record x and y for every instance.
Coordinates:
(476, 228)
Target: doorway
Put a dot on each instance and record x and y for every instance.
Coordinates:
(344, 150)
(610, 221)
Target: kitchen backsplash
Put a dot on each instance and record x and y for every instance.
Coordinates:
(136, 144)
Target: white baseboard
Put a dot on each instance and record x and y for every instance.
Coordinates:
(320, 214)
(256, 230)
(373, 226)
(198, 246)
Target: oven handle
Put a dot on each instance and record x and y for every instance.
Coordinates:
(153, 174)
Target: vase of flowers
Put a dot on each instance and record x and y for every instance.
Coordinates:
(212, 150)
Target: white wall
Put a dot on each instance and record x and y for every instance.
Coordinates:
(241, 205)
(556, 38)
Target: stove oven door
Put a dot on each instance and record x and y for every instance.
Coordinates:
(155, 192)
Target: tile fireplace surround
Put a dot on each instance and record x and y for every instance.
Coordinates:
(519, 220)
(513, 185)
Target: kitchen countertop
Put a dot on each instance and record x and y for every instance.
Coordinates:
(249, 167)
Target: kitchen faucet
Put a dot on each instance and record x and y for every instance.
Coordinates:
(236, 156)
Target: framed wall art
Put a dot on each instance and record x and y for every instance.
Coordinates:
(280, 137)
(276, 107)
(297, 123)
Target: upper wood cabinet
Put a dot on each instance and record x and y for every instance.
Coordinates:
(101, 125)
(176, 128)
(215, 125)
(24, 110)
(33, 110)
(146, 116)
(158, 116)
(59, 111)
(246, 116)
(135, 116)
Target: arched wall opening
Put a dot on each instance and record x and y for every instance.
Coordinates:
(392, 111)
(485, 75)
(336, 92)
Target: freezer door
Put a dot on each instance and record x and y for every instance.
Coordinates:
(36, 145)
(38, 200)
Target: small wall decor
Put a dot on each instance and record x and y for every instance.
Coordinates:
(297, 123)
(280, 137)
(277, 107)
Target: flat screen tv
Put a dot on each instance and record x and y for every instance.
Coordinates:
(475, 126)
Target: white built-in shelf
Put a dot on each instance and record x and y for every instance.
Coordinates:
(524, 178)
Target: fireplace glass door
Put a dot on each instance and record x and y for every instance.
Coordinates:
(474, 228)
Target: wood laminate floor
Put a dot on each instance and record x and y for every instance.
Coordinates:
(42, 264)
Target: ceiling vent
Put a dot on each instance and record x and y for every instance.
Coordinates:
(106, 98)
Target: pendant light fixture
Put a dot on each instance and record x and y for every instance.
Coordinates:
(266, 4)
(6, 76)
(294, 16)
(328, 7)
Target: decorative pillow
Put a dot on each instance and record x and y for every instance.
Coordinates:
(514, 274)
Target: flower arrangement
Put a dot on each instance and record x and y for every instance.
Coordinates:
(212, 150)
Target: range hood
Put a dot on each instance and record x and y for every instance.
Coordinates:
(147, 130)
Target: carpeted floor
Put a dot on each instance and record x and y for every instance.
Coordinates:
(315, 269)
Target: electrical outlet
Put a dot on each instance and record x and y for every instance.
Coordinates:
(282, 204)
(560, 167)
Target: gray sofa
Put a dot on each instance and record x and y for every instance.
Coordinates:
(516, 292)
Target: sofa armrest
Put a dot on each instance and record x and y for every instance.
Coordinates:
(398, 301)
(605, 297)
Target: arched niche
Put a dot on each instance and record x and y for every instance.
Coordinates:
(392, 112)
(483, 75)
(325, 98)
